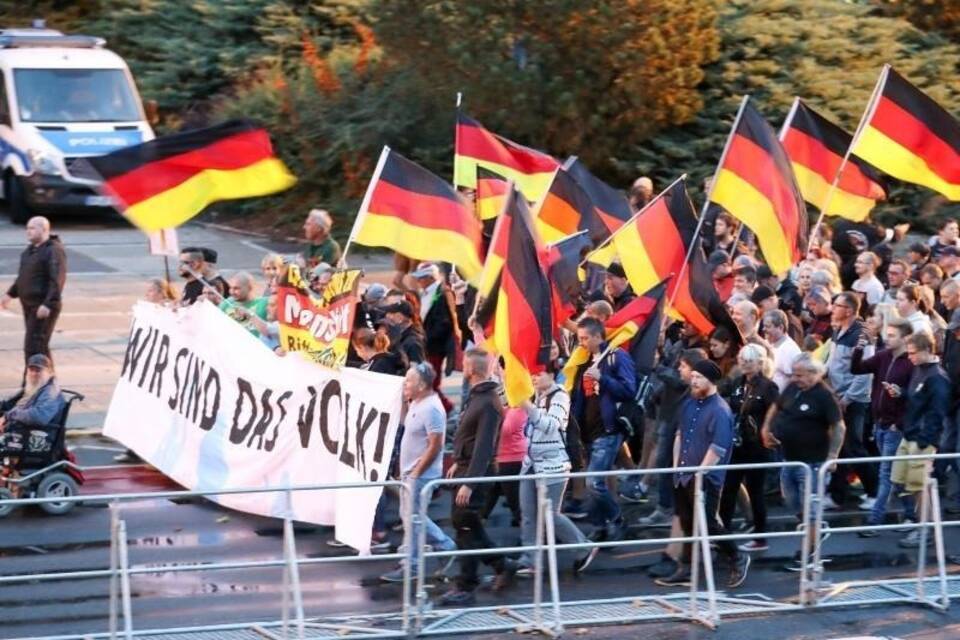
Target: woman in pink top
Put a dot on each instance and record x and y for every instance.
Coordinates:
(511, 449)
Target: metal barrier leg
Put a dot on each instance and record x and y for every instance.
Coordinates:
(817, 526)
(293, 570)
(701, 530)
(552, 564)
(125, 579)
(805, 539)
(114, 576)
(938, 543)
(417, 518)
(407, 517)
(538, 557)
(924, 517)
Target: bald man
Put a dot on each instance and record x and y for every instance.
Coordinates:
(641, 193)
(39, 286)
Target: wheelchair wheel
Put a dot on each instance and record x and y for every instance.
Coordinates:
(57, 485)
(5, 507)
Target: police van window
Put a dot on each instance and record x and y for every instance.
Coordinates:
(4, 106)
(74, 95)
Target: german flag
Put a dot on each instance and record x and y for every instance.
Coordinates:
(696, 300)
(653, 247)
(497, 249)
(412, 211)
(816, 148)
(562, 262)
(909, 136)
(164, 182)
(475, 146)
(491, 193)
(636, 328)
(610, 205)
(523, 325)
(755, 184)
(566, 209)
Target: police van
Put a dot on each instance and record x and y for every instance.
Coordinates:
(62, 98)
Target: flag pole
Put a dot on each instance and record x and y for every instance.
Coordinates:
(609, 239)
(456, 138)
(361, 214)
(706, 202)
(864, 119)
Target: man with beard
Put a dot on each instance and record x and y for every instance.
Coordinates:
(199, 261)
(704, 438)
(28, 411)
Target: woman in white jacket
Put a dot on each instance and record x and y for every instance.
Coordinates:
(546, 430)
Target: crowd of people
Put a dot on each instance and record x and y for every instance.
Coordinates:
(854, 353)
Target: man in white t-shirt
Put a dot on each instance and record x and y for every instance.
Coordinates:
(867, 284)
(421, 458)
(785, 350)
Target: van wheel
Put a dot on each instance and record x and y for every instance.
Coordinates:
(57, 485)
(5, 507)
(17, 206)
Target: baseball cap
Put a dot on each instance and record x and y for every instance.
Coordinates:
(375, 292)
(39, 361)
(426, 270)
(321, 269)
(400, 307)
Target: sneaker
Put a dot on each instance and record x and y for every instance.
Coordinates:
(667, 566)
(829, 504)
(912, 540)
(868, 533)
(907, 526)
(336, 544)
(867, 503)
(574, 510)
(658, 518)
(739, 571)
(679, 578)
(504, 578)
(525, 571)
(754, 546)
(379, 545)
(581, 565)
(796, 566)
(458, 598)
(393, 576)
(633, 492)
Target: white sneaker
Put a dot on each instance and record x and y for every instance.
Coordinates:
(829, 504)
(867, 503)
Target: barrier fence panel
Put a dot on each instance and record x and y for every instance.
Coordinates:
(120, 572)
(890, 590)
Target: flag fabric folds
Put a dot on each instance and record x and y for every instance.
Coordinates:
(412, 211)
(610, 205)
(755, 184)
(523, 322)
(491, 193)
(635, 328)
(475, 146)
(909, 136)
(562, 262)
(565, 209)
(165, 182)
(816, 148)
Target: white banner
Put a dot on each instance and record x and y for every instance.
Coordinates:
(210, 406)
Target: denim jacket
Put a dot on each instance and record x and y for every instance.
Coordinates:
(40, 409)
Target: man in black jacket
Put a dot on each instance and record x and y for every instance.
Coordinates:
(406, 339)
(474, 456)
(438, 312)
(39, 285)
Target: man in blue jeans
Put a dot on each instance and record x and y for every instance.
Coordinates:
(605, 380)
(807, 423)
(421, 460)
(891, 369)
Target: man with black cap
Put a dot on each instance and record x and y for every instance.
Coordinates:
(766, 300)
(36, 405)
(409, 341)
(949, 261)
(704, 438)
(439, 316)
(200, 261)
(617, 288)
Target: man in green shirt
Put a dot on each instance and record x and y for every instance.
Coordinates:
(322, 247)
(242, 304)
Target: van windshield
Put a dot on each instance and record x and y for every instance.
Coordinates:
(74, 95)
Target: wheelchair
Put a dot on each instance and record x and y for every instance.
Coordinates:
(48, 473)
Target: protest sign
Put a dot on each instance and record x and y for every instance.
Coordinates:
(208, 405)
(318, 327)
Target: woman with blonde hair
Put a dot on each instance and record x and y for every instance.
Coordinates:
(753, 394)
(161, 292)
(271, 266)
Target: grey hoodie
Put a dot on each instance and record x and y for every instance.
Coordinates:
(848, 387)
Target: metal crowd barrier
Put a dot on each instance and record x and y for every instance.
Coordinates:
(292, 610)
(703, 604)
(892, 590)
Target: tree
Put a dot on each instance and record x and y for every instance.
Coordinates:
(567, 76)
(830, 53)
